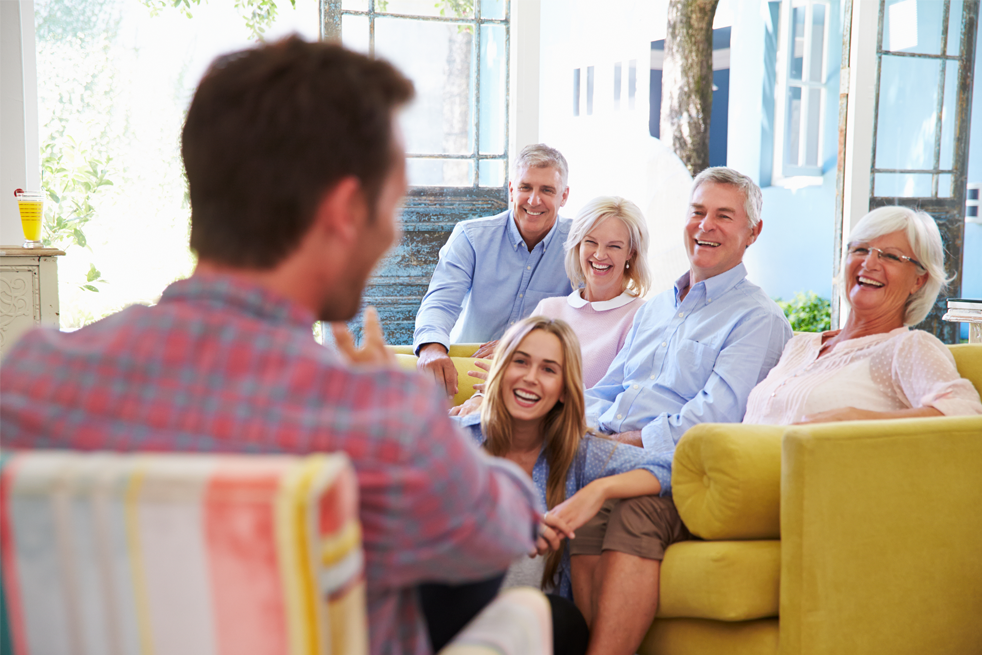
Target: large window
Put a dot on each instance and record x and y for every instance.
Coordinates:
(802, 76)
(456, 53)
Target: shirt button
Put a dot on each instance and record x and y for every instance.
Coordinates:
(521, 295)
(635, 386)
(652, 377)
(664, 344)
(709, 300)
(620, 416)
(528, 268)
(681, 314)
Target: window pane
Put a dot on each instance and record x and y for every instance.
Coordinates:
(355, 5)
(948, 114)
(589, 91)
(794, 126)
(354, 32)
(617, 86)
(576, 91)
(814, 126)
(493, 9)
(817, 55)
(944, 186)
(797, 42)
(440, 172)
(907, 113)
(114, 82)
(632, 82)
(493, 61)
(427, 8)
(913, 26)
(492, 172)
(955, 28)
(437, 58)
(902, 185)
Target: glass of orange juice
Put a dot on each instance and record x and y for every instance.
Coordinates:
(31, 205)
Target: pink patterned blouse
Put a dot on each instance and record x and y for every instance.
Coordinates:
(896, 370)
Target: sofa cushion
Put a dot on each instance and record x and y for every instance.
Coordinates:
(465, 383)
(726, 479)
(723, 580)
(702, 637)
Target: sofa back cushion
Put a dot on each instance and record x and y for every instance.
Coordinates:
(968, 359)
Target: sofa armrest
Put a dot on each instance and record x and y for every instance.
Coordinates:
(726, 480)
(881, 535)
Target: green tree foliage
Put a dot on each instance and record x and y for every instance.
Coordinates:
(71, 177)
(258, 15)
(807, 312)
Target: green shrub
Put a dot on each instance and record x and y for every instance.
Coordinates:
(807, 312)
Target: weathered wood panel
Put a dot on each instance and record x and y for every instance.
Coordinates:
(400, 280)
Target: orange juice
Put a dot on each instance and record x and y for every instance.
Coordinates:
(31, 207)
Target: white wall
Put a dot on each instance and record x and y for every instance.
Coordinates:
(20, 163)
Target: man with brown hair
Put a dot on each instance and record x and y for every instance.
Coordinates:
(296, 170)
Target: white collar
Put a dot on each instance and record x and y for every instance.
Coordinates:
(576, 301)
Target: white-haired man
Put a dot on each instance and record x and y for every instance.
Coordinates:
(493, 271)
(692, 356)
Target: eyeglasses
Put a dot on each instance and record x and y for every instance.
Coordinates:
(889, 255)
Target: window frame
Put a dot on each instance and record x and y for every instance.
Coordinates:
(784, 169)
(332, 12)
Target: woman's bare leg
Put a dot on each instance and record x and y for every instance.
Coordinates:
(583, 570)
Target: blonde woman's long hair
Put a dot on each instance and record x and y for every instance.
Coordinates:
(563, 426)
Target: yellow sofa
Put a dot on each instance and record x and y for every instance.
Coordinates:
(863, 537)
(460, 353)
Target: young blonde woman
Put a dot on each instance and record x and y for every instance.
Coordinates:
(533, 415)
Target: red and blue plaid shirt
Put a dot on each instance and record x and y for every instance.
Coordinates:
(220, 365)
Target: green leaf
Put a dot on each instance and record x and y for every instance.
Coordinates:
(93, 273)
(89, 287)
(79, 237)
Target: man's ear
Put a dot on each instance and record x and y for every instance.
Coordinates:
(511, 192)
(562, 203)
(756, 230)
(342, 210)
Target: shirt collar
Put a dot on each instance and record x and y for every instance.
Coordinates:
(715, 286)
(576, 301)
(516, 237)
(233, 291)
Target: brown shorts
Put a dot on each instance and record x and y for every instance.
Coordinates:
(644, 526)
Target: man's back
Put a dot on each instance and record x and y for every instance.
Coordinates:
(224, 366)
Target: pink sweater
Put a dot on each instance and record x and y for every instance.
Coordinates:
(601, 327)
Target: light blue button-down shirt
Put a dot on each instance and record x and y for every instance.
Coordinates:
(690, 362)
(487, 277)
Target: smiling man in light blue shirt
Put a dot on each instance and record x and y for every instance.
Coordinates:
(694, 352)
(493, 271)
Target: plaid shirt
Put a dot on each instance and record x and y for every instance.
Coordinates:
(224, 366)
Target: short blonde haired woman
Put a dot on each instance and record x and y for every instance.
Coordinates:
(606, 261)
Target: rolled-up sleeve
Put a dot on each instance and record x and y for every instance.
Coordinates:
(452, 280)
(600, 458)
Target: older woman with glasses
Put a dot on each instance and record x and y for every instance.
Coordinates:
(875, 367)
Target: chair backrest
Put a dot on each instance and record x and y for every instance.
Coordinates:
(170, 553)
(968, 359)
